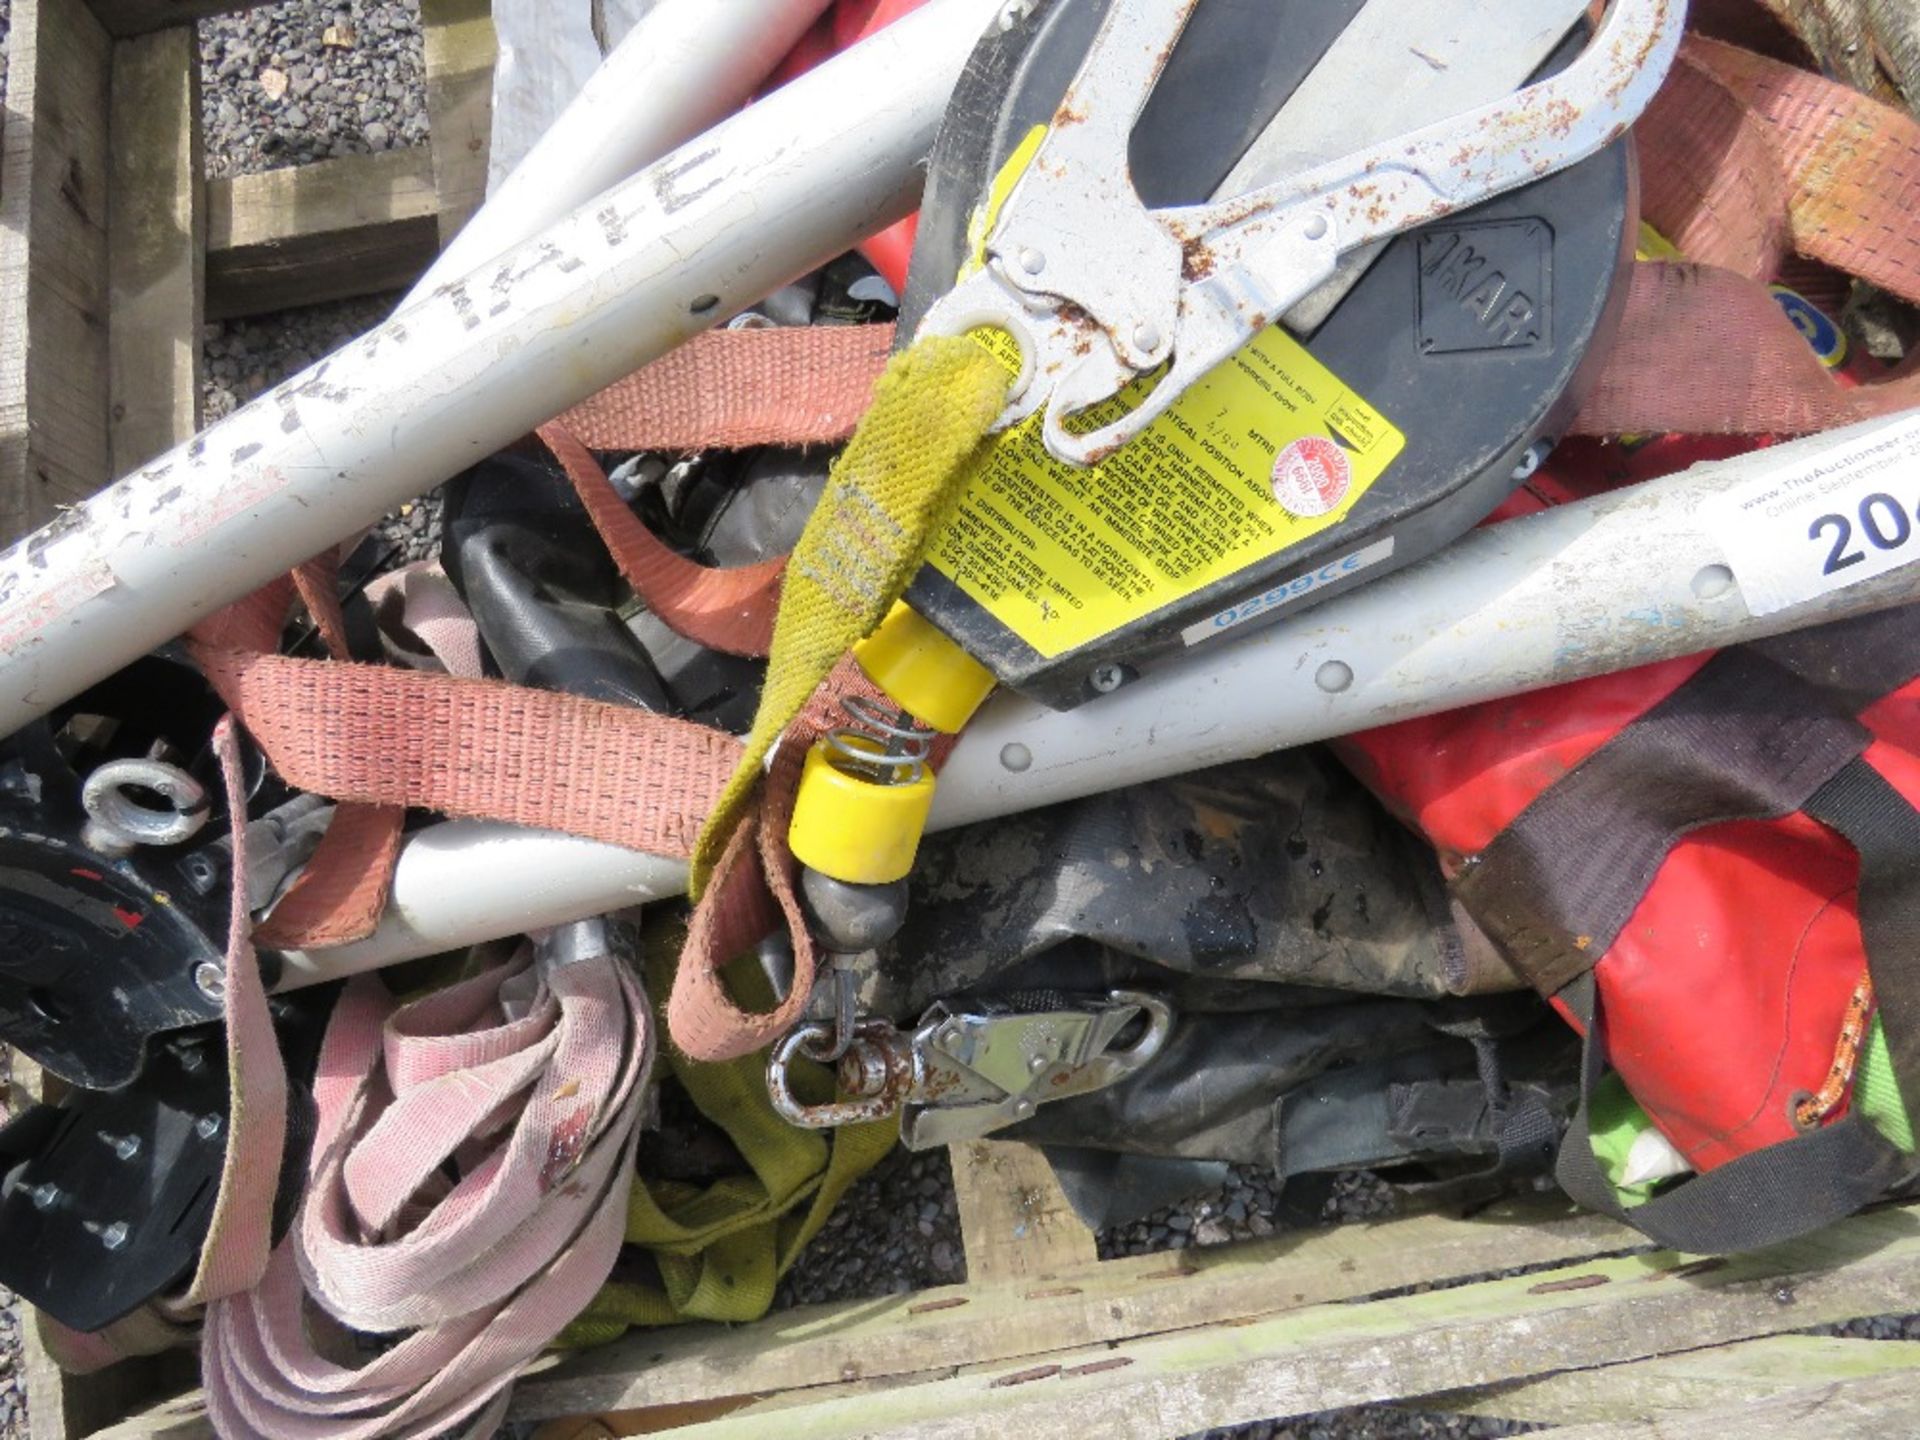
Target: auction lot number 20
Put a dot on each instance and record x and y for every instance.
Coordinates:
(1883, 522)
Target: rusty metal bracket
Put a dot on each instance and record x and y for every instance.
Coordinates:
(1098, 291)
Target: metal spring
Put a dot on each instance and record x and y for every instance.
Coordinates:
(886, 748)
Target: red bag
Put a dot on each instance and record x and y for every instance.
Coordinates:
(1676, 852)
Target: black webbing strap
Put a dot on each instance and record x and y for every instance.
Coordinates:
(1884, 828)
(1752, 735)
(1544, 892)
(1855, 662)
(1743, 739)
(1765, 1197)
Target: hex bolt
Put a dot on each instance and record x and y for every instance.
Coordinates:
(45, 1195)
(124, 1146)
(211, 980)
(115, 1235)
(1107, 678)
(1032, 261)
(207, 1126)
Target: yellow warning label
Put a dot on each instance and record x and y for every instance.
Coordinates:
(1267, 450)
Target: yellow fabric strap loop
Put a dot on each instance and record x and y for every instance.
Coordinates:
(720, 1249)
(887, 493)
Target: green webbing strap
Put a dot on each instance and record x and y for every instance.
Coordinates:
(720, 1249)
(885, 496)
(1876, 1091)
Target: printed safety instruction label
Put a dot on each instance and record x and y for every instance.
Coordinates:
(1800, 530)
(1266, 451)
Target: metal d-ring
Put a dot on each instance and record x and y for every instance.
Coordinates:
(116, 823)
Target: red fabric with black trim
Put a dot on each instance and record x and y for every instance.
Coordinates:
(1724, 993)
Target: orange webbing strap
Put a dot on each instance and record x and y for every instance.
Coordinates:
(1848, 166)
(755, 892)
(728, 389)
(481, 749)
(1703, 351)
(1710, 179)
(728, 610)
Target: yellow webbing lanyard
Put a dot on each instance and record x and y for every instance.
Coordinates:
(887, 493)
(721, 1248)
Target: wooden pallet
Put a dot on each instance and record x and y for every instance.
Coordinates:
(114, 251)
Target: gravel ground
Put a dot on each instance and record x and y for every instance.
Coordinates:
(297, 81)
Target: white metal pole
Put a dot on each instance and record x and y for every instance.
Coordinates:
(771, 193)
(687, 65)
(1626, 579)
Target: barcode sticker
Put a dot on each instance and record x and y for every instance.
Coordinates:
(1803, 529)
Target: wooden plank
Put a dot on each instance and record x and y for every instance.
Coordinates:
(1015, 1218)
(156, 247)
(53, 263)
(138, 17)
(901, 1335)
(333, 230)
(1723, 1375)
(975, 1323)
(1879, 1408)
(460, 52)
(1333, 1356)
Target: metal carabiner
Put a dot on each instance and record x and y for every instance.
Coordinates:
(1098, 291)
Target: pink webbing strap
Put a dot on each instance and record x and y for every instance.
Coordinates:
(235, 1254)
(532, 1082)
(728, 389)
(728, 610)
(239, 1236)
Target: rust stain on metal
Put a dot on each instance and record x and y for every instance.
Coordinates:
(1055, 1293)
(1572, 1282)
(1197, 260)
(1022, 1377)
